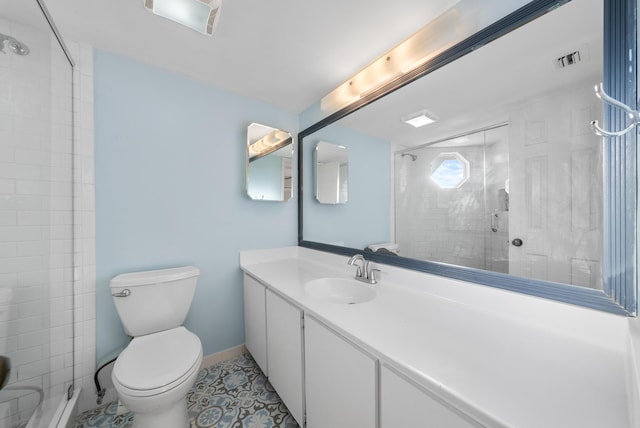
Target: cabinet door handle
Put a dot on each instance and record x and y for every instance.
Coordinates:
(517, 242)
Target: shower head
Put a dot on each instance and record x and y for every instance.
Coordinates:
(14, 45)
(412, 156)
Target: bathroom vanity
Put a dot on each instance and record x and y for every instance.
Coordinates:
(421, 350)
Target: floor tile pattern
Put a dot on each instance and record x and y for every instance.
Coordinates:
(231, 394)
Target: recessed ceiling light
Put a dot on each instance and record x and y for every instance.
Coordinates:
(419, 119)
(199, 15)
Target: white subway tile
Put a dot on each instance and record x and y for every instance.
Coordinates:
(8, 249)
(32, 370)
(89, 306)
(9, 280)
(20, 233)
(36, 338)
(21, 264)
(34, 308)
(7, 187)
(34, 278)
(32, 157)
(26, 356)
(26, 294)
(20, 171)
(8, 218)
(33, 218)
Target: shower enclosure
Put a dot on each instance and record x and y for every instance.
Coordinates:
(36, 218)
(452, 201)
(524, 198)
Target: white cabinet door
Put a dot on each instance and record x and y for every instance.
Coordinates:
(255, 329)
(284, 348)
(402, 404)
(340, 381)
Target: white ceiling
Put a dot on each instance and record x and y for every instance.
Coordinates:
(288, 53)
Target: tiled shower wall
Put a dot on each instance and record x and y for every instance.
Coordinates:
(36, 329)
(46, 310)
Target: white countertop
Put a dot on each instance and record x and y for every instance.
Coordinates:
(505, 359)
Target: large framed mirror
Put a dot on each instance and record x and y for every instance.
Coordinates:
(509, 187)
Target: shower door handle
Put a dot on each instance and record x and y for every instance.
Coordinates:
(494, 222)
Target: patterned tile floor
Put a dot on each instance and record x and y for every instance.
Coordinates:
(231, 394)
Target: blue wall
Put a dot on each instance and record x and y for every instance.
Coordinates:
(170, 191)
(366, 218)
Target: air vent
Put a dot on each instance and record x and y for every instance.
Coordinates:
(569, 59)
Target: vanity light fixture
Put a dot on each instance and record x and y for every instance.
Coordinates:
(438, 35)
(199, 15)
(271, 142)
(419, 119)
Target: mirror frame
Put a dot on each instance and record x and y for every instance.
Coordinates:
(620, 233)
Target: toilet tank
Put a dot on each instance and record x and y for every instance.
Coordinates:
(155, 300)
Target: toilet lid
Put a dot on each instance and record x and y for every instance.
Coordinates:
(156, 360)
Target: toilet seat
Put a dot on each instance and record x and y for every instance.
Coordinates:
(158, 362)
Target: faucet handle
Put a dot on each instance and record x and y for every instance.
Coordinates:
(359, 271)
(373, 276)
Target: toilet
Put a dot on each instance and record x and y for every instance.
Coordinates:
(155, 371)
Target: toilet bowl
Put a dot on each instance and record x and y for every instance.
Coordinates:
(155, 371)
(153, 375)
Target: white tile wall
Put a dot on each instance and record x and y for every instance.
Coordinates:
(84, 220)
(46, 313)
(34, 214)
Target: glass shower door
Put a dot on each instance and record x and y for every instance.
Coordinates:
(452, 201)
(36, 218)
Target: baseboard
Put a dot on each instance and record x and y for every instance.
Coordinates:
(221, 356)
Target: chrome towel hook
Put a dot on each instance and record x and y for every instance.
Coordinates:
(634, 115)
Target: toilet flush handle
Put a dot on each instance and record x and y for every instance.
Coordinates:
(123, 293)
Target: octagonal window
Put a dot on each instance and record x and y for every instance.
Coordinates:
(449, 170)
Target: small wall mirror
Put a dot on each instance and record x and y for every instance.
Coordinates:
(269, 155)
(331, 167)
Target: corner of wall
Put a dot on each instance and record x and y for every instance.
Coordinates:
(84, 225)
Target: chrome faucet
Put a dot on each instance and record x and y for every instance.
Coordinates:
(363, 273)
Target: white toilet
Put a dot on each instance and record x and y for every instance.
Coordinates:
(156, 370)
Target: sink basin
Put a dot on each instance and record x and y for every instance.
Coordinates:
(340, 290)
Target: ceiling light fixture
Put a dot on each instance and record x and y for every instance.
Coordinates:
(438, 35)
(419, 119)
(199, 15)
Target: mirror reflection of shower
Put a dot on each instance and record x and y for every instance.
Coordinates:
(451, 200)
(14, 45)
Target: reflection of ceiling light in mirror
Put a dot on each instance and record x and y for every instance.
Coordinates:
(438, 35)
(199, 15)
(419, 119)
(271, 142)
